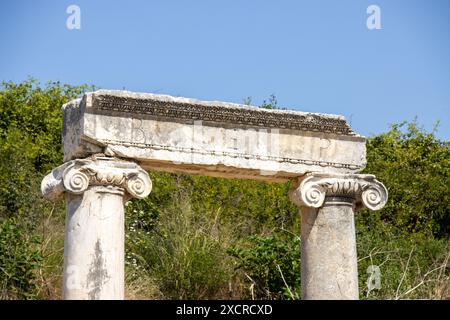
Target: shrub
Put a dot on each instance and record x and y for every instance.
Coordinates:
(415, 167)
(271, 264)
(184, 253)
(411, 267)
(30, 146)
(19, 260)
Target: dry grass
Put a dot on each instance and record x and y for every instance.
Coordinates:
(409, 270)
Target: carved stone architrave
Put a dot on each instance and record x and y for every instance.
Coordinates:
(213, 138)
(183, 108)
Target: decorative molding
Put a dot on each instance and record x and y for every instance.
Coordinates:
(77, 176)
(110, 142)
(364, 189)
(229, 113)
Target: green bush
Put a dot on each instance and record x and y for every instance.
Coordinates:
(411, 266)
(184, 253)
(253, 207)
(271, 264)
(415, 167)
(30, 146)
(19, 260)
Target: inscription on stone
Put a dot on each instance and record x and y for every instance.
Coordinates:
(179, 134)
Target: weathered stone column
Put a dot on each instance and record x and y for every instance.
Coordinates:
(95, 189)
(328, 248)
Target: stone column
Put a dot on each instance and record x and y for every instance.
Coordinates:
(328, 248)
(95, 190)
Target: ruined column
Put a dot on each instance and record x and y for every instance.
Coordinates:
(213, 138)
(95, 190)
(327, 205)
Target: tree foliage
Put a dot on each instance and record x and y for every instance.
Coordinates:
(415, 167)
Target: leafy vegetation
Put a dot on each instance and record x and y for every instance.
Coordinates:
(415, 167)
(272, 264)
(205, 238)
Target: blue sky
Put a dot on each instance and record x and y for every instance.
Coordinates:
(316, 56)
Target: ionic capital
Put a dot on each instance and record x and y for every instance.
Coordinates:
(314, 189)
(114, 175)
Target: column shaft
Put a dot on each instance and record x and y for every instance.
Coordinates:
(94, 245)
(327, 205)
(95, 190)
(328, 253)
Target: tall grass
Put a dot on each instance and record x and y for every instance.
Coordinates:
(411, 266)
(184, 255)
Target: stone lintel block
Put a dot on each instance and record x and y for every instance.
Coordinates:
(161, 132)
